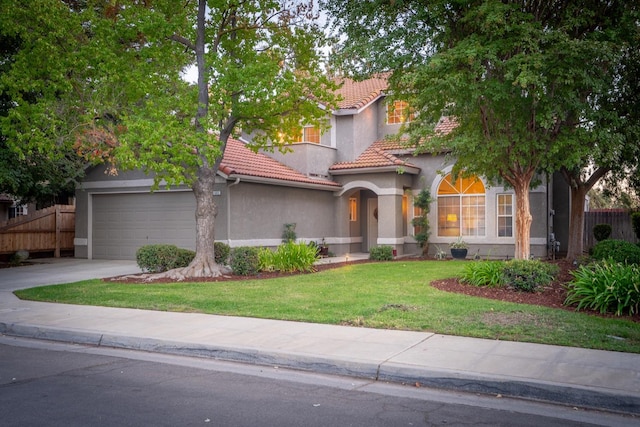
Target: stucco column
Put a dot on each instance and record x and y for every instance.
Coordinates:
(342, 230)
(390, 222)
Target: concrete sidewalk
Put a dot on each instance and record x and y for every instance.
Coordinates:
(571, 376)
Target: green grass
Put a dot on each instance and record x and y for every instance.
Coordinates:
(393, 295)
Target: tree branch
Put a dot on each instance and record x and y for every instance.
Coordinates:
(183, 41)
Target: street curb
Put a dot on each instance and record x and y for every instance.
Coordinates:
(386, 372)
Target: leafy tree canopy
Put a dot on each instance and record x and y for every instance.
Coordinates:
(526, 81)
(107, 78)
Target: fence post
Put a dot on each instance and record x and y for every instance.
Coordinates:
(56, 253)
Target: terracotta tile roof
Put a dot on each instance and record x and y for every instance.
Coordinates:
(240, 160)
(357, 94)
(445, 125)
(377, 155)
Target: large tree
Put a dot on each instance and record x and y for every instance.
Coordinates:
(519, 78)
(611, 148)
(35, 175)
(258, 71)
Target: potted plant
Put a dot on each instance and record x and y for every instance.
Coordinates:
(324, 248)
(459, 248)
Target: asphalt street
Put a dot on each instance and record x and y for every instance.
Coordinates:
(44, 383)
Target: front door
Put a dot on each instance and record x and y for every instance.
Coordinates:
(372, 223)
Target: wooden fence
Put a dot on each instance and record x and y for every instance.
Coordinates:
(619, 220)
(46, 230)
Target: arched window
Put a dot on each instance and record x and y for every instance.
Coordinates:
(461, 207)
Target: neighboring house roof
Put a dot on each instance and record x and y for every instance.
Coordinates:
(5, 198)
(357, 94)
(241, 162)
(378, 157)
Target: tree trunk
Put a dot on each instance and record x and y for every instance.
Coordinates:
(579, 189)
(523, 219)
(576, 223)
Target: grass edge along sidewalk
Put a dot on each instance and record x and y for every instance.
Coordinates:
(394, 295)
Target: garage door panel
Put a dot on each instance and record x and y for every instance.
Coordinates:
(122, 223)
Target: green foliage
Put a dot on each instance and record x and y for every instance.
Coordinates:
(605, 286)
(483, 273)
(245, 260)
(617, 250)
(289, 233)
(528, 275)
(381, 253)
(423, 201)
(601, 231)
(222, 251)
(514, 76)
(635, 223)
(289, 257)
(520, 275)
(106, 79)
(159, 258)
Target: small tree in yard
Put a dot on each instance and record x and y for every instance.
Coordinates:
(120, 75)
(421, 222)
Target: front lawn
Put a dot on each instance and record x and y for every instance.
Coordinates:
(392, 295)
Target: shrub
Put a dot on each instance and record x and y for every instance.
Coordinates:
(635, 223)
(381, 253)
(289, 233)
(528, 275)
(483, 273)
(605, 286)
(221, 251)
(421, 222)
(601, 232)
(245, 260)
(289, 257)
(618, 251)
(159, 258)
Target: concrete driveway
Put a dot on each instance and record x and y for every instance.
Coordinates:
(51, 271)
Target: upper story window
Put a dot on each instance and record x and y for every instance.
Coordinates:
(305, 134)
(461, 207)
(399, 112)
(311, 134)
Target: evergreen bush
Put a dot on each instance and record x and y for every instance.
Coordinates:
(528, 275)
(221, 252)
(422, 201)
(617, 250)
(601, 232)
(381, 253)
(245, 260)
(159, 258)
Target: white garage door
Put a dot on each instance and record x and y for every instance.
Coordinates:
(124, 222)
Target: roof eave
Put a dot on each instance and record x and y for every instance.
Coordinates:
(412, 170)
(283, 182)
(354, 111)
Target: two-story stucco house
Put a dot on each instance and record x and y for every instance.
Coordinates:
(349, 186)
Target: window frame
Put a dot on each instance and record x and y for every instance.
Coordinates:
(398, 111)
(499, 215)
(459, 208)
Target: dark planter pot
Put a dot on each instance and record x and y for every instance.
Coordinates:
(324, 251)
(457, 253)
